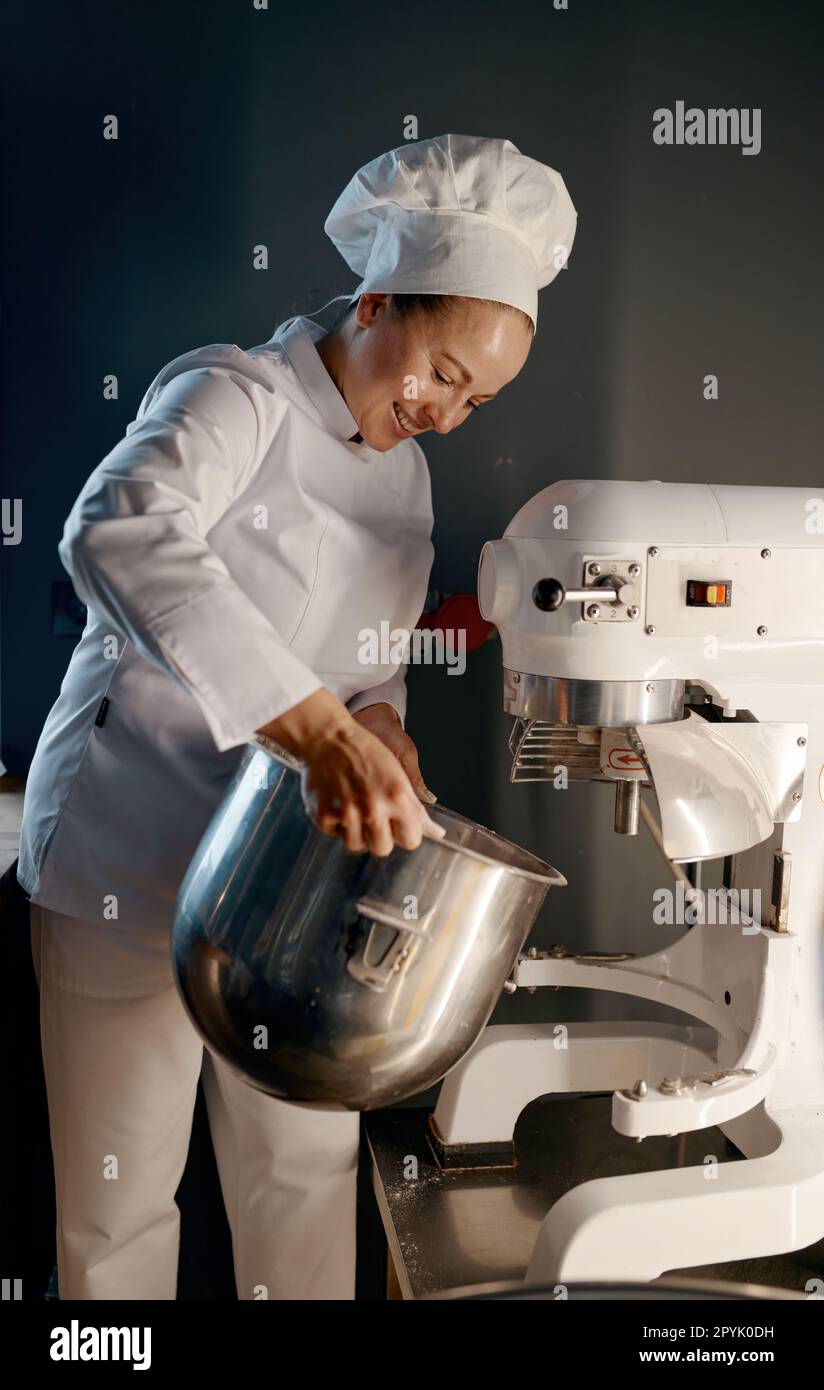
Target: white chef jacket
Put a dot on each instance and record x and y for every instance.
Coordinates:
(230, 550)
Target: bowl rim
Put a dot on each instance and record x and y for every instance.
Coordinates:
(547, 874)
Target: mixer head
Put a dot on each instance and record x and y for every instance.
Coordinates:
(632, 616)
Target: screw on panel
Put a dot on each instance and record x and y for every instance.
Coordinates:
(594, 569)
(516, 679)
(796, 796)
(649, 630)
(762, 631)
(802, 742)
(765, 554)
(653, 551)
(650, 688)
(593, 610)
(633, 612)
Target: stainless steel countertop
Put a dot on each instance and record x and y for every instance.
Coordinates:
(451, 1230)
(11, 816)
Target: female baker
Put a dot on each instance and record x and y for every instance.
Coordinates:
(264, 507)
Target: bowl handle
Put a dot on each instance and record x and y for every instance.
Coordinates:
(376, 976)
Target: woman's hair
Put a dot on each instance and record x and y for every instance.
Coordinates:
(405, 305)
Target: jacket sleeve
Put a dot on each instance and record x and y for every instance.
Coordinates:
(391, 692)
(135, 546)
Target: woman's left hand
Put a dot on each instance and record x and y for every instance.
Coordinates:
(384, 722)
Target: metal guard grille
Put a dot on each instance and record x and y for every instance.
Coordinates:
(538, 748)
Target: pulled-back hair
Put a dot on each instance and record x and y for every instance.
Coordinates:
(404, 306)
(407, 304)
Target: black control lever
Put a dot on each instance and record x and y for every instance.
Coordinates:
(549, 594)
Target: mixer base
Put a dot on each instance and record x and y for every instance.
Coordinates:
(454, 1157)
(447, 1229)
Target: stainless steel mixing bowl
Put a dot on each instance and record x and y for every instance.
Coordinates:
(344, 979)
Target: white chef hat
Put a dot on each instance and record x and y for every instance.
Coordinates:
(457, 214)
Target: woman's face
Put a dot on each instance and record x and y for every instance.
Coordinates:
(403, 376)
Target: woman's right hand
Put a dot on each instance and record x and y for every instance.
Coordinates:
(352, 784)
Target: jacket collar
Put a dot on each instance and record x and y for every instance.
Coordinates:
(297, 338)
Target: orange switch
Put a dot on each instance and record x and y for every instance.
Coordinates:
(705, 593)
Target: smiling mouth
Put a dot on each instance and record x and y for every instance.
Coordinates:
(406, 423)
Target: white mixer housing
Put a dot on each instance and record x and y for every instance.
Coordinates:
(671, 635)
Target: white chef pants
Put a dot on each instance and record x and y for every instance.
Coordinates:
(122, 1062)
